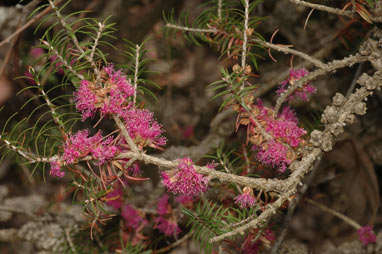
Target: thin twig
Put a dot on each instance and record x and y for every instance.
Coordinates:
(189, 29)
(356, 76)
(136, 70)
(320, 7)
(220, 5)
(245, 36)
(176, 243)
(257, 183)
(330, 67)
(71, 34)
(63, 61)
(101, 26)
(31, 157)
(287, 50)
(29, 23)
(335, 213)
(125, 133)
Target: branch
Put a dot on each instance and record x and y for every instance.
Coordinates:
(125, 133)
(99, 33)
(245, 35)
(28, 24)
(71, 34)
(330, 67)
(320, 7)
(190, 29)
(258, 183)
(136, 70)
(288, 50)
(31, 157)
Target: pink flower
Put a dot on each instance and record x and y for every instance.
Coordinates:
(286, 131)
(246, 199)
(132, 218)
(301, 93)
(167, 227)
(85, 100)
(119, 90)
(112, 98)
(183, 199)
(162, 205)
(55, 169)
(36, 52)
(143, 128)
(135, 170)
(274, 154)
(366, 235)
(80, 145)
(115, 198)
(185, 180)
(288, 114)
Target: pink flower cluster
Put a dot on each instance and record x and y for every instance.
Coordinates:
(284, 132)
(112, 98)
(301, 93)
(132, 218)
(246, 199)
(143, 129)
(185, 180)
(366, 235)
(81, 145)
(166, 223)
(55, 169)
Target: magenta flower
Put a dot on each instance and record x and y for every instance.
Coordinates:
(288, 114)
(112, 98)
(115, 198)
(80, 145)
(55, 169)
(301, 93)
(246, 199)
(85, 100)
(36, 52)
(162, 205)
(143, 128)
(366, 235)
(286, 131)
(132, 218)
(183, 199)
(167, 227)
(185, 180)
(274, 154)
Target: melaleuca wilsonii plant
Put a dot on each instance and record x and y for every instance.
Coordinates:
(228, 205)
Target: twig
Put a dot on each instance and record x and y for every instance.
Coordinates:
(320, 7)
(125, 134)
(28, 24)
(99, 33)
(257, 183)
(288, 50)
(176, 243)
(70, 33)
(136, 70)
(245, 37)
(62, 60)
(31, 157)
(292, 206)
(220, 5)
(189, 29)
(356, 76)
(335, 213)
(69, 239)
(330, 67)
